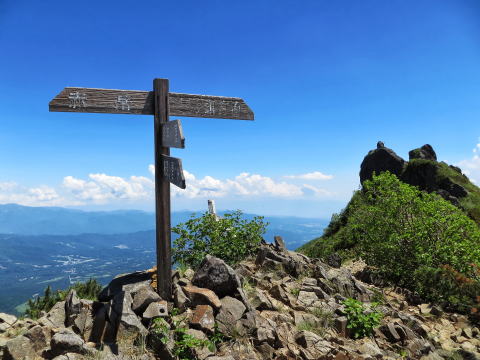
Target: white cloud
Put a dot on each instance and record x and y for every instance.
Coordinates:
(471, 167)
(102, 188)
(316, 175)
(108, 189)
(244, 184)
(43, 195)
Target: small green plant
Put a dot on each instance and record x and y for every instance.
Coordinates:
(312, 327)
(378, 296)
(183, 343)
(325, 316)
(87, 290)
(230, 238)
(248, 286)
(360, 321)
(295, 291)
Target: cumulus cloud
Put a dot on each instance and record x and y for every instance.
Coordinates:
(101, 188)
(316, 175)
(471, 167)
(11, 192)
(244, 184)
(106, 189)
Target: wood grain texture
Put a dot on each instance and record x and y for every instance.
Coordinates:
(162, 194)
(89, 100)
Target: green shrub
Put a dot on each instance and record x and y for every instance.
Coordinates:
(409, 234)
(230, 238)
(360, 321)
(183, 343)
(87, 290)
(414, 239)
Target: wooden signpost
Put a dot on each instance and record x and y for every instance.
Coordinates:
(161, 103)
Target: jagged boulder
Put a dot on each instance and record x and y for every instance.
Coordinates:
(19, 348)
(425, 152)
(215, 274)
(380, 160)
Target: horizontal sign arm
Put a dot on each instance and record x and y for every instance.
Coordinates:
(89, 100)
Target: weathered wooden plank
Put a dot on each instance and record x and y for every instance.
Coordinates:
(206, 106)
(172, 134)
(162, 193)
(173, 171)
(74, 99)
(90, 100)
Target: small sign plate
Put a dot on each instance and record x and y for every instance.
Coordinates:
(172, 134)
(173, 171)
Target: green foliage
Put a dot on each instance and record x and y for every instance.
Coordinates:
(183, 343)
(231, 238)
(360, 321)
(408, 234)
(414, 239)
(87, 290)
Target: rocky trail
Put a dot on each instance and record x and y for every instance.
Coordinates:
(281, 305)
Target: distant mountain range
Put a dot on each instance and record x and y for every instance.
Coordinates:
(42, 246)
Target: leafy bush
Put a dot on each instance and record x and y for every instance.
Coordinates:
(413, 238)
(360, 321)
(183, 343)
(230, 238)
(87, 290)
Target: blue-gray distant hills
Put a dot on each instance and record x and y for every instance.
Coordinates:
(26, 220)
(42, 246)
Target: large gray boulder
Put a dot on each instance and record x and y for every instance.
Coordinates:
(66, 341)
(216, 275)
(130, 283)
(19, 348)
(380, 160)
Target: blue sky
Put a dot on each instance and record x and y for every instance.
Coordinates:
(325, 79)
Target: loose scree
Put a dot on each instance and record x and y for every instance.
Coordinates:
(161, 103)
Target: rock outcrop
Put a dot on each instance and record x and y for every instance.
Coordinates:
(422, 170)
(379, 160)
(279, 305)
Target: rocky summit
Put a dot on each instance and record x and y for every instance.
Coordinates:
(279, 305)
(424, 171)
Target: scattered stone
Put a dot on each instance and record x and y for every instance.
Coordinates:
(39, 338)
(216, 275)
(279, 243)
(201, 296)
(144, 297)
(67, 341)
(19, 348)
(203, 318)
(125, 282)
(6, 321)
(201, 352)
(260, 301)
(425, 308)
(334, 260)
(230, 313)
(156, 309)
(179, 298)
(341, 326)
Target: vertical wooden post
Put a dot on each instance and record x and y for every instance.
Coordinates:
(162, 194)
